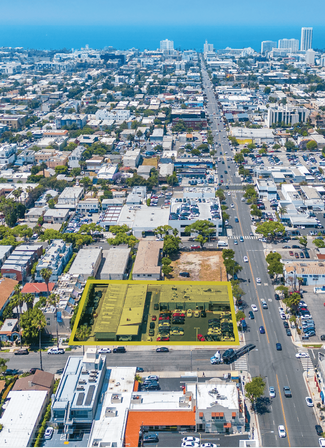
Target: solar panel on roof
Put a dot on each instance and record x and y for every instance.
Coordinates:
(90, 395)
(80, 398)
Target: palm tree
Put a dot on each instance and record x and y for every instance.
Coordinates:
(39, 322)
(53, 300)
(17, 302)
(29, 300)
(46, 275)
(282, 211)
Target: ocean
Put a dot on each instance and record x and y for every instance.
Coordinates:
(123, 37)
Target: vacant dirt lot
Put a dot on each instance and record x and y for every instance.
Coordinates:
(203, 266)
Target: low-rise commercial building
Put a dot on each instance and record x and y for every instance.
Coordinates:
(56, 215)
(116, 261)
(147, 263)
(266, 189)
(21, 417)
(70, 197)
(87, 262)
(88, 205)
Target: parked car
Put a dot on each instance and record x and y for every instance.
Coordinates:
(48, 433)
(309, 402)
(22, 351)
(119, 350)
(319, 430)
(162, 349)
(55, 351)
(104, 350)
(150, 438)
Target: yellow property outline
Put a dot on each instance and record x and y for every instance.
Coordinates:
(154, 343)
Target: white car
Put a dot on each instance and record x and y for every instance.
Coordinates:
(229, 194)
(272, 392)
(55, 351)
(302, 355)
(232, 205)
(190, 444)
(309, 402)
(254, 307)
(208, 445)
(245, 259)
(48, 433)
(258, 280)
(283, 316)
(321, 442)
(104, 350)
(282, 431)
(190, 439)
(281, 310)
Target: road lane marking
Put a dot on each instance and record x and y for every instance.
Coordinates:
(249, 262)
(284, 417)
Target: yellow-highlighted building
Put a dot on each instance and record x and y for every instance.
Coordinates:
(144, 312)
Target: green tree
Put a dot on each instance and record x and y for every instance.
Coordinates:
(51, 234)
(166, 269)
(267, 90)
(255, 211)
(171, 244)
(255, 389)
(46, 275)
(83, 332)
(3, 364)
(319, 243)
(240, 315)
(271, 229)
(203, 228)
(292, 301)
(237, 292)
(61, 169)
(122, 236)
(220, 194)
(239, 158)
(311, 145)
(290, 145)
(282, 211)
(303, 241)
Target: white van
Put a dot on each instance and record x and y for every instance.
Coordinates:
(222, 244)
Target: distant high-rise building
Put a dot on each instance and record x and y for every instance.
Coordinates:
(207, 47)
(289, 44)
(267, 46)
(306, 39)
(310, 57)
(166, 45)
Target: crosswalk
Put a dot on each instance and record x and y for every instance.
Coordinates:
(306, 363)
(241, 363)
(249, 237)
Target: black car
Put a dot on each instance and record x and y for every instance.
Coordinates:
(322, 338)
(319, 430)
(119, 350)
(278, 346)
(11, 372)
(203, 313)
(152, 438)
(22, 351)
(184, 274)
(285, 324)
(33, 370)
(162, 349)
(296, 247)
(139, 369)
(288, 331)
(307, 254)
(276, 296)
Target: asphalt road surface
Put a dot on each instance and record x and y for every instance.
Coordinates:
(279, 368)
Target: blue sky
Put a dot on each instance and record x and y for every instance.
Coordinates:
(163, 12)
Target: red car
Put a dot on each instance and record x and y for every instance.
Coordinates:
(195, 247)
(179, 315)
(163, 338)
(291, 253)
(154, 318)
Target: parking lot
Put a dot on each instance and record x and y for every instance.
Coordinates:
(315, 303)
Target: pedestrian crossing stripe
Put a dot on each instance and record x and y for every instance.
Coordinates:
(245, 237)
(241, 363)
(306, 364)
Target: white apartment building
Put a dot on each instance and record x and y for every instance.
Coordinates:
(207, 47)
(288, 115)
(306, 38)
(70, 197)
(7, 154)
(289, 44)
(166, 45)
(132, 158)
(267, 46)
(119, 114)
(75, 157)
(310, 57)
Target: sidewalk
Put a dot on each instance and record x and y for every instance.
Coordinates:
(313, 392)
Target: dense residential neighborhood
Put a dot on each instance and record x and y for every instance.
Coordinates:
(162, 233)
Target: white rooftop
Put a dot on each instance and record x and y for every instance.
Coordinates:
(20, 417)
(111, 416)
(228, 392)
